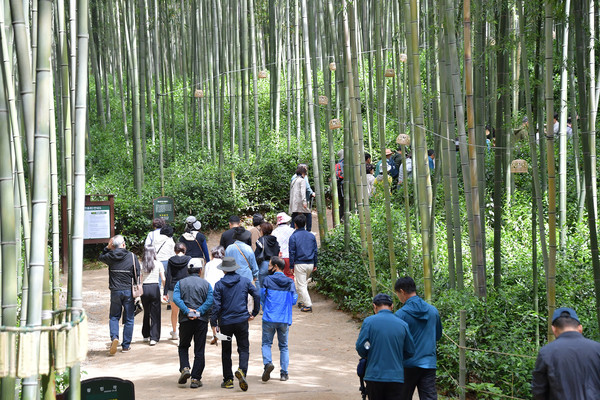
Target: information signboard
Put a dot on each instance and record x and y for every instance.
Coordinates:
(163, 208)
(96, 222)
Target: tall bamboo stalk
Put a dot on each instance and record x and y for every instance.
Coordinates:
(76, 246)
(551, 271)
(40, 196)
(423, 180)
(382, 142)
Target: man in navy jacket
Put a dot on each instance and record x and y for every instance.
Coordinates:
(230, 316)
(425, 327)
(385, 342)
(303, 260)
(277, 295)
(569, 367)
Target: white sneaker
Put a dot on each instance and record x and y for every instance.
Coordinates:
(152, 342)
(146, 339)
(174, 335)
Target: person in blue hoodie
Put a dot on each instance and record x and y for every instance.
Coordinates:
(277, 296)
(230, 317)
(425, 326)
(385, 341)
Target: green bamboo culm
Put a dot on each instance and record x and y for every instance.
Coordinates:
(40, 198)
(423, 179)
(8, 245)
(76, 247)
(551, 271)
(382, 142)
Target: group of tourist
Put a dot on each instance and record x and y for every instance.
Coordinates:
(263, 266)
(400, 348)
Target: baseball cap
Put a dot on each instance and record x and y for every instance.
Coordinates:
(382, 298)
(570, 311)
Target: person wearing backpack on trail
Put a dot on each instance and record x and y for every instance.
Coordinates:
(195, 242)
(300, 195)
(278, 296)
(178, 269)
(266, 247)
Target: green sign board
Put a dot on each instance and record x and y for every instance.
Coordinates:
(163, 208)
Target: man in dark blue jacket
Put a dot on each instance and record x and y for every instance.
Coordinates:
(385, 342)
(278, 296)
(569, 367)
(194, 297)
(425, 327)
(230, 317)
(303, 260)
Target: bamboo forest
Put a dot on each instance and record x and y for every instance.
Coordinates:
(489, 107)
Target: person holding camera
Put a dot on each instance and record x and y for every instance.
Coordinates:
(194, 297)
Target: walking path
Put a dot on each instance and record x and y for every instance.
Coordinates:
(322, 356)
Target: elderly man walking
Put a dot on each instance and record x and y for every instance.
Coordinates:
(230, 317)
(385, 342)
(425, 327)
(194, 297)
(122, 264)
(569, 367)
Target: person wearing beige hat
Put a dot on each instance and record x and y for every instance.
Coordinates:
(282, 232)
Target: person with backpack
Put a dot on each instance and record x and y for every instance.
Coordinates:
(195, 242)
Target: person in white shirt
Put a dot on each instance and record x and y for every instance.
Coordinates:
(157, 224)
(283, 233)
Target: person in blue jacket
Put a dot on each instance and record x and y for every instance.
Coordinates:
(425, 326)
(385, 341)
(194, 297)
(230, 317)
(277, 296)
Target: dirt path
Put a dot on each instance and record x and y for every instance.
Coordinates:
(322, 356)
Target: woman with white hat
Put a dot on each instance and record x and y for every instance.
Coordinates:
(195, 242)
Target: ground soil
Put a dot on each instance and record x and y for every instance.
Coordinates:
(322, 355)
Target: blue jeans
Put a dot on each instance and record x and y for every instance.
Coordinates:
(282, 329)
(166, 267)
(263, 272)
(121, 301)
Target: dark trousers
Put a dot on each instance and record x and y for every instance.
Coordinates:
(421, 378)
(340, 190)
(240, 331)
(151, 303)
(384, 390)
(308, 220)
(187, 330)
